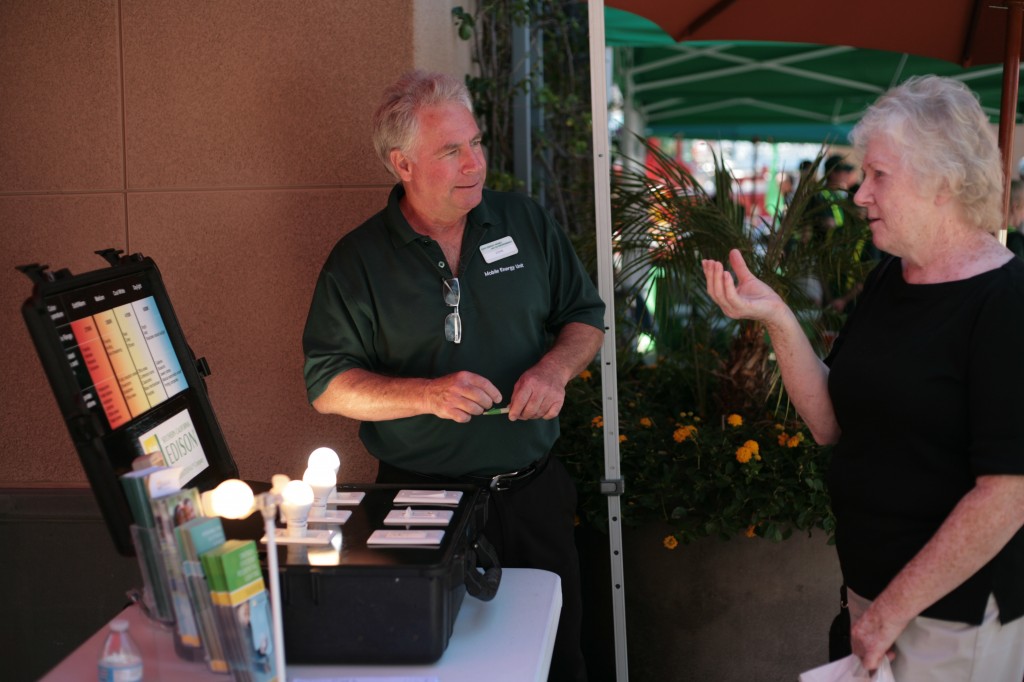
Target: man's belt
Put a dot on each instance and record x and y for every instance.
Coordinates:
(510, 479)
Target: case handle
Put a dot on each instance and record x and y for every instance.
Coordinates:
(484, 585)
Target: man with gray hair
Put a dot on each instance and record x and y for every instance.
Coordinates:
(449, 324)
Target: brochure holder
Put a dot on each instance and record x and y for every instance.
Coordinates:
(156, 597)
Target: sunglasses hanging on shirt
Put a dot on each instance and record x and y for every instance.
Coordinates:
(453, 322)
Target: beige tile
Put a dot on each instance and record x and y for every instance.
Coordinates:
(240, 268)
(63, 232)
(240, 94)
(60, 99)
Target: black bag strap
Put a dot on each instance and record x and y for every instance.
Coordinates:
(839, 631)
(483, 585)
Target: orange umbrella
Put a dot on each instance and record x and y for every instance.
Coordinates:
(966, 32)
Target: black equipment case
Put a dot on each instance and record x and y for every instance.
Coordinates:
(122, 373)
(359, 604)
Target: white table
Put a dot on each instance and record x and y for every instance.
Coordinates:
(508, 639)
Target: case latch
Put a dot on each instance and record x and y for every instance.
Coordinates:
(39, 274)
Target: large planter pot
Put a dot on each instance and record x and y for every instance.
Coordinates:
(741, 610)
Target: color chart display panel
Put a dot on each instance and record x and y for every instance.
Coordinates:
(116, 343)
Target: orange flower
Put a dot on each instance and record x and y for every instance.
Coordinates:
(646, 422)
(783, 438)
(794, 441)
(597, 422)
(684, 432)
(743, 454)
(752, 446)
(670, 542)
(734, 420)
(586, 374)
(622, 438)
(750, 531)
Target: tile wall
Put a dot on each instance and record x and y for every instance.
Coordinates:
(229, 141)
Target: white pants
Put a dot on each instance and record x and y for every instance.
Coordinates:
(932, 650)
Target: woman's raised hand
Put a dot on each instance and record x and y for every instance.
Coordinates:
(748, 298)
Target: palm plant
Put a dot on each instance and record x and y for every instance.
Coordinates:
(666, 223)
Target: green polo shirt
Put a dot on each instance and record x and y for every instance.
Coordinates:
(378, 305)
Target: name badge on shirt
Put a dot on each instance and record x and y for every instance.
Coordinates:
(498, 249)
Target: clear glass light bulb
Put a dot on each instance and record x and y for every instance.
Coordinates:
(324, 457)
(232, 499)
(323, 481)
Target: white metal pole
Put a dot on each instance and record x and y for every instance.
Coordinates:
(268, 503)
(612, 483)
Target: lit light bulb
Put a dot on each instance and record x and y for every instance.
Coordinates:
(325, 457)
(323, 481)
(277, 483)
(232, 499)
(296, 501)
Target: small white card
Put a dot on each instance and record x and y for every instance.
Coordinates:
(346, 499)
(418, 517)
(331, 516)
(312, 537)
(498, 249)
(405, 538)
(375, 678)
(434, 498)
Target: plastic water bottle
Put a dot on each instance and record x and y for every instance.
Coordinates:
(121, 660)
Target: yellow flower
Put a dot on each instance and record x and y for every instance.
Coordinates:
(586, 374)
(597, 422)
(646, 422)
(734, 420)
(750, 531)
(684, 432)
(622, 438)
(670, 542)
(752, 446)
(794, 441)
(743, 454)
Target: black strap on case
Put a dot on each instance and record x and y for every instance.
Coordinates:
(483, 585)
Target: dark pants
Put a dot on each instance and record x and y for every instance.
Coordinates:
(533, 526)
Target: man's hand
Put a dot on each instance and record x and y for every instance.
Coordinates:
(537, 395)
(460, 396)
(540, 391)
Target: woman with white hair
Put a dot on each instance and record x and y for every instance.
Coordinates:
(921, 395)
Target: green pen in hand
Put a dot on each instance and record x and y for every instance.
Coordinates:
(496, 410)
